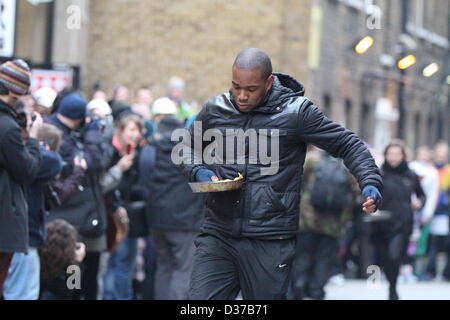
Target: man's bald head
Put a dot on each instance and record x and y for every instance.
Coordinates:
(254, 59)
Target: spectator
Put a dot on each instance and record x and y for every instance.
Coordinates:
(23, 276)
(61, 249)
(120, 93)
(143, 107)
(174, 212)
(44, 98)
(328, 198)
(439, 226)
(144, 97)
(176, 94)
(423, 166)
(20, 160)
(84, 208)
(127, 196)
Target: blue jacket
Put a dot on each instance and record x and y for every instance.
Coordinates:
(51, 165)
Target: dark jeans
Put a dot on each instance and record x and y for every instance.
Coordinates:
(118, 279)
(5, 261)
(438, 244)
(225, 265)
(315, 256)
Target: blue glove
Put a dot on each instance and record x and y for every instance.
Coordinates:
(374, 194)
(204, 175)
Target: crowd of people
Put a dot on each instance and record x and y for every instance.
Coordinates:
(90, 183)
(405, 237)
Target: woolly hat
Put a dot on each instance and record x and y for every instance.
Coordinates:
(100, 105)
(45, 97)
(72, 106)
(15, 75)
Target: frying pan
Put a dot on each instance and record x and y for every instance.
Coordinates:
(215, 186)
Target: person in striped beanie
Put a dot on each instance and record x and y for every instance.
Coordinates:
(15, 75)
(20, 161)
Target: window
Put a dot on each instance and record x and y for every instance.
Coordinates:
(348, 114)
(431, 130)
(327, 105)
(417, 130)
(364, 121)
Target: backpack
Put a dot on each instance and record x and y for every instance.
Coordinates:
(331, 190)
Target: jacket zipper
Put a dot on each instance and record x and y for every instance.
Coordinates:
(244, 198)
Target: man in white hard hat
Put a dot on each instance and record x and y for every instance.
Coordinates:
(44, 98)
(163, 107)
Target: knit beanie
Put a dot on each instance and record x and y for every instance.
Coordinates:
(72, 106)
(15, 75)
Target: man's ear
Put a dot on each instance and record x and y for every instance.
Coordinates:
(269, 82)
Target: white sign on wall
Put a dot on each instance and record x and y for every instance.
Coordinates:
(7, 27)
(54, 79)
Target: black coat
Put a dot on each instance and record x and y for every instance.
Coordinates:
(19, 165)
(86, 142)
(399, 185)
(267, 206)
(171, 203)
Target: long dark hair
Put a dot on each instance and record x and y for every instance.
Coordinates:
(396, 143)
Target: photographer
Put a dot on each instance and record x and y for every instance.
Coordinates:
(84, 208)
(20, 160)
(23, 276)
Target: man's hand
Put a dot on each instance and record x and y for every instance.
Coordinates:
(372, 197)
(205, 175)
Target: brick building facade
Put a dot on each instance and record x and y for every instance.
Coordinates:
(143, 43)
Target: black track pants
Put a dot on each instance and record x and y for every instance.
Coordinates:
(223, 265)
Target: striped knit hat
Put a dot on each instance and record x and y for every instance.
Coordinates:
(16, 76)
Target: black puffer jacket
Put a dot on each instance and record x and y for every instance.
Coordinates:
(267, 206)
(19, 165)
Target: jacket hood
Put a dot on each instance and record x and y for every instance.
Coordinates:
(163, 133)
(283, 87)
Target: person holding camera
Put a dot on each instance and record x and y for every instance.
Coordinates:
(24, 273)
(20, 160)
(84, 208)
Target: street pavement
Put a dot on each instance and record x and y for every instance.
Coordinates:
(366, 290)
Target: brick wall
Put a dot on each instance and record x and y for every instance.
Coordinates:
(139, 43)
